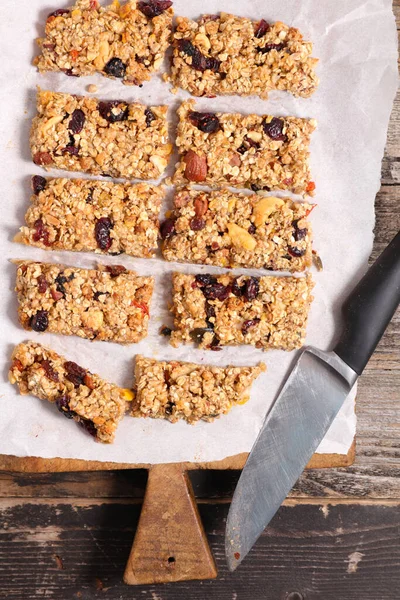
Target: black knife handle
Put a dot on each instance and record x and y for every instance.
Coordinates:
(369, 308)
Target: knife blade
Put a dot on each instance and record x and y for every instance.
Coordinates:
(307, 404)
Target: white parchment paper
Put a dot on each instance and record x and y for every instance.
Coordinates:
(357, 46)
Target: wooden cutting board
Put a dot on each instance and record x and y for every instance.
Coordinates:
(170, 543)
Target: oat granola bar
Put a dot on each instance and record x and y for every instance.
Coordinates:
(226, 54)
(109, 305)
(257, 151)
(234, 230)
(180, 390)
(93, 403)
(93, 216)
(81, 133)
(124, 42)
(222, 310)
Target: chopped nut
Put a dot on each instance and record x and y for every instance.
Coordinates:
(202, 41)
(240, 237)
(159, 162)
(196, 166)
(264, 208)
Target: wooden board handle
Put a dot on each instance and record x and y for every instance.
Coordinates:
(170, 543)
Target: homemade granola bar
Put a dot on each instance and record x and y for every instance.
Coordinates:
(226, 54)
(180, 390)
(257, 151)
(222, 310)
(234, 230)
(81, 133)
(93, 216)
(93, 403)
(110, 304)
(125, 42)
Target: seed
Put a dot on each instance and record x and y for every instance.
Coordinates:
(274, 129)
(115, 68)
(38, 184)
(39, 321)
(167, 228)
(77, 121)
(102, 233)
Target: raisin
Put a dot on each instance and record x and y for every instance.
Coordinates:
(198, 333)
(89, 197)
(115, 68)
(296, 251)
(102, 233)
(210, 311)
(251, 288)
(197, 224)
(42, 284)
(73, 150)
(69, 73)
(114, 111)
(216, 291)
(88, 426)
(166, 331)
(41, 233)
(77, 121)
(50, 372)
(139, 59)
(167, 228)
(75, 373)
(39, 321)
(252, 229)
(115, 270)
(249, 323)
(38, 184)
(206, 122)
(42, 158)
(150, 116)
(97, 295)
(215, 344)
(186, 47)
(237, 289)
(205, 279)
(299, 234)
(213, 64)
(255, 187)
(269, 47)
(199, 61)
(62, 404)
(242, 149)
(153, 8)
(59, 13)
(60, 281)
(262, 28)
(274, 129)
(169, 408)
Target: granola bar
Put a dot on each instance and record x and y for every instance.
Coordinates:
(93, 403)
(234, 230)
(222, 310)
(226, 54)
(180, 390)
(81, 133)
(123, 42)
(77, 214)
(257, 151)
(108, 305)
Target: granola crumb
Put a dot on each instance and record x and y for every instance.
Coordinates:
(92, 88)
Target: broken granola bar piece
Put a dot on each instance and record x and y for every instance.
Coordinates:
(110, 304)
(225, 229)
(179, 390)
(81, 133)
(227, 54)
(122, 42)
(67, 214)
(96, 405)
(256, 151)
(223, 310)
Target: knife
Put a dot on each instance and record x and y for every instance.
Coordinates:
(308, 403)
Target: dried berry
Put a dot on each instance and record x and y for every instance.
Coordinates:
(167, 228)
(42, 158)
(139, 59)
(205, 279)
(88, 426)
(38, 184)
(89, 197)
(115, 68)
(150, 116)
(242, 149)
(115, 270)
(296, 251)
(50, 372)
(61, 280)
(73, 150)
(261, 29)
(216, 291)
(196, 166)
(251, 288)
(41, 233)
(62, 404)
(102, 234)
(166, 331)
(206, 122)
(237, 289)
(39, 321)
(269, 47)
(252, 229)
(210, 311)
(114, 111)
(215, 344)
(70, 73)
(198, 333)
(197, 224)
(59, 13)
(199, 61)
(42, 284)
(153, 8)
(75, 373)
(274, 129)
(186, 47)
(255, 187)
(77, 121)
(248, 324)
(97, 295)
(213, 64)
(299, 234)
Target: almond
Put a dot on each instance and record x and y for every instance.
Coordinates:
(200, 206)
(240, 237)
(196, 166)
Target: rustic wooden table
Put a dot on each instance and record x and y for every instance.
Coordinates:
(68, 535)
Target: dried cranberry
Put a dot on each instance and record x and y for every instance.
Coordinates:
(60, 281)
(88, 426)
(42, 158)
(198, 333)
(274, 129)
(62, 404)
(70, 73)
(73, 150)
(251, 288)
(237, 289)
(199, 61)
(115, 270)
(206, 122)
(102, 233)
(197, 224)
(215, 344)
(255, 187)
(153, 8)
(242, 149)
(186, 47)
(167, 228)
(38, 184)
(150, 116)
(205, 279)
(59, 13)
(213, 64)
(42, 284)
(77, 121)
(296, 251)
(114, 111)
(269, 47)
(210, 311)
(75, 373)
(166, 331)
(249, 323)
(41, 233)
(299, 234)
(50, 372)
(262, 28)
(115, 68)
(89, 197)
(252, 229)
(39, 321)
(216, 291)
(97, 295)
(139, 59)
